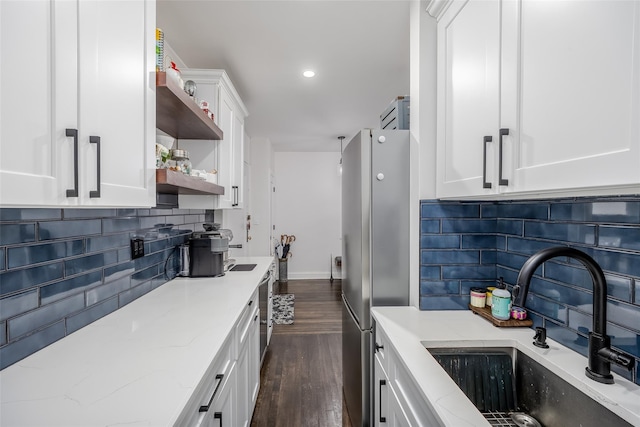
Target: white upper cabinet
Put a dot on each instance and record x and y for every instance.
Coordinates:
(550, 88)
(469, 87)
(576, 116)
(117, 100)
(77, 116)
(225, 155)
(38, 76)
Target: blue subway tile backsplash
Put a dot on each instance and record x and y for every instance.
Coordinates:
(619, 237)
(597, 211)
(64, 229)
(17, 233)
(506, 233)
(61, 269)
(67, 287)
(22, 215)
(20, 256)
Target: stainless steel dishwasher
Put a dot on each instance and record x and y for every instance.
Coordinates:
(264, 301)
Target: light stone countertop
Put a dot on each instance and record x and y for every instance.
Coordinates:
(137, 366)
(410, 330)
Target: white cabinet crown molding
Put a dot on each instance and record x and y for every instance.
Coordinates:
(436, 8)
(216, 76)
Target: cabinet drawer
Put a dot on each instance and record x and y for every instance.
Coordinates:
(381, 348)
(414, 405)
(246, 318)
(209, 387)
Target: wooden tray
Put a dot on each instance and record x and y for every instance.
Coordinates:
(511, 323)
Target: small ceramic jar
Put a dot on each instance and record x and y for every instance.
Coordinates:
(478, 297)
(501, 304)
(518, 313)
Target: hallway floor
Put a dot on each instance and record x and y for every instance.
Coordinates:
(301, 378)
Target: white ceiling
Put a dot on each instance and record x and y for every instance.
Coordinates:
(358, 49)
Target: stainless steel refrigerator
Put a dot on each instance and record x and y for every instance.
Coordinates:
(375, 251)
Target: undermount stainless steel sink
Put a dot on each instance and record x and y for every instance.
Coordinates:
(507, 385)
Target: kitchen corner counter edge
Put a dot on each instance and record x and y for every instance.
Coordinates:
(410, 330)
(136, 366)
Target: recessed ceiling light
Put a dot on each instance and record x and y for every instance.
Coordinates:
(309, 73)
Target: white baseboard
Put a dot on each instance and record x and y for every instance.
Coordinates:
(312, 276)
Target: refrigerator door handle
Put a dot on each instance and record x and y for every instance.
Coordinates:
(351, 314)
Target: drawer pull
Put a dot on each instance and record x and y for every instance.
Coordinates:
(205, 408)
(379, 347)
(487, 139)
(382, 419)
(235, 195)
(218, 416)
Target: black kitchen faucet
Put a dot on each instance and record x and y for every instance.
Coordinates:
(600, 352)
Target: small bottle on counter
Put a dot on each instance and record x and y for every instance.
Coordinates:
(490, 290)
(501, 302)
(478, 297)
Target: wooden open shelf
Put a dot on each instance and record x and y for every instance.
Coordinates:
(178, 115)
(172, 182)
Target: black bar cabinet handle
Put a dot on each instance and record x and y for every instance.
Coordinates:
(234, 188)
(73, 133)
(382, 419)
(205, 408)
(502, 181)
(379, 347)
(218, 416)
(486, 184)
(96, 193)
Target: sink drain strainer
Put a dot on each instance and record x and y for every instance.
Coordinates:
(523, 420)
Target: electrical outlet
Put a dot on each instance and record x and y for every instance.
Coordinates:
(137, 248)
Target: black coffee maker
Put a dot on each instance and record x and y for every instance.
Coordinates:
(208, 252)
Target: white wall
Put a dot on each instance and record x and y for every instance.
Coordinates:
(307, 203)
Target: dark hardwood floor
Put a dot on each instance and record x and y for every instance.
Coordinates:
(301, 378)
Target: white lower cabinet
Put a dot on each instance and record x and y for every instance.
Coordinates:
(387, 410)
(397, 401)
(222, 411)
(228, 391)
(213, 400)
